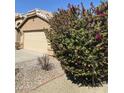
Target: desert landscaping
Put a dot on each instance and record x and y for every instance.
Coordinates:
(65, 51)
(31, 78)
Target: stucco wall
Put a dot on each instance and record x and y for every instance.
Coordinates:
(35, 23)
(17, 36)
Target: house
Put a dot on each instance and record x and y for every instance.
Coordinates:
(30, 31)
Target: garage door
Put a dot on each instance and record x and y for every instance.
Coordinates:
(35, 41)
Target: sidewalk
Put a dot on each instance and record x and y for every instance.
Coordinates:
(62, 85)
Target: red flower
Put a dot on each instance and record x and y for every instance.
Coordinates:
(98, 36)
(97, 11)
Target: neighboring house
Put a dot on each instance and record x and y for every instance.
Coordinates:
(30, 31)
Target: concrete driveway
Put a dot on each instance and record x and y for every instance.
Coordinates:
(25, 55)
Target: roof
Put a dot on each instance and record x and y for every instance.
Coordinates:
(44, 15)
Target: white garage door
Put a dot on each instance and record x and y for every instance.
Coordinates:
(35, 41)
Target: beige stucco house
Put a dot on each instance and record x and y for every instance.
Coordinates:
(30, 31)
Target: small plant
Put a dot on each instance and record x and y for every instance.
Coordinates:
(44, 61)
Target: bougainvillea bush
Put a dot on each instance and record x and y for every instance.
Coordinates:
(79, 38)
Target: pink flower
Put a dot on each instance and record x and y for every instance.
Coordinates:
(97, 11)
(98, 36)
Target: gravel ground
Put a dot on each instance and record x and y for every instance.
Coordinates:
(30, 75)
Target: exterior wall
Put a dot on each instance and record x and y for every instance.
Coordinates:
(17, 36)
(34, 23)
(17, 33)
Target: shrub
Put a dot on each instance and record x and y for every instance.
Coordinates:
(79, 39)
(44, 61)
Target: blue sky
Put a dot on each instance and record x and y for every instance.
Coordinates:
(23, 6)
